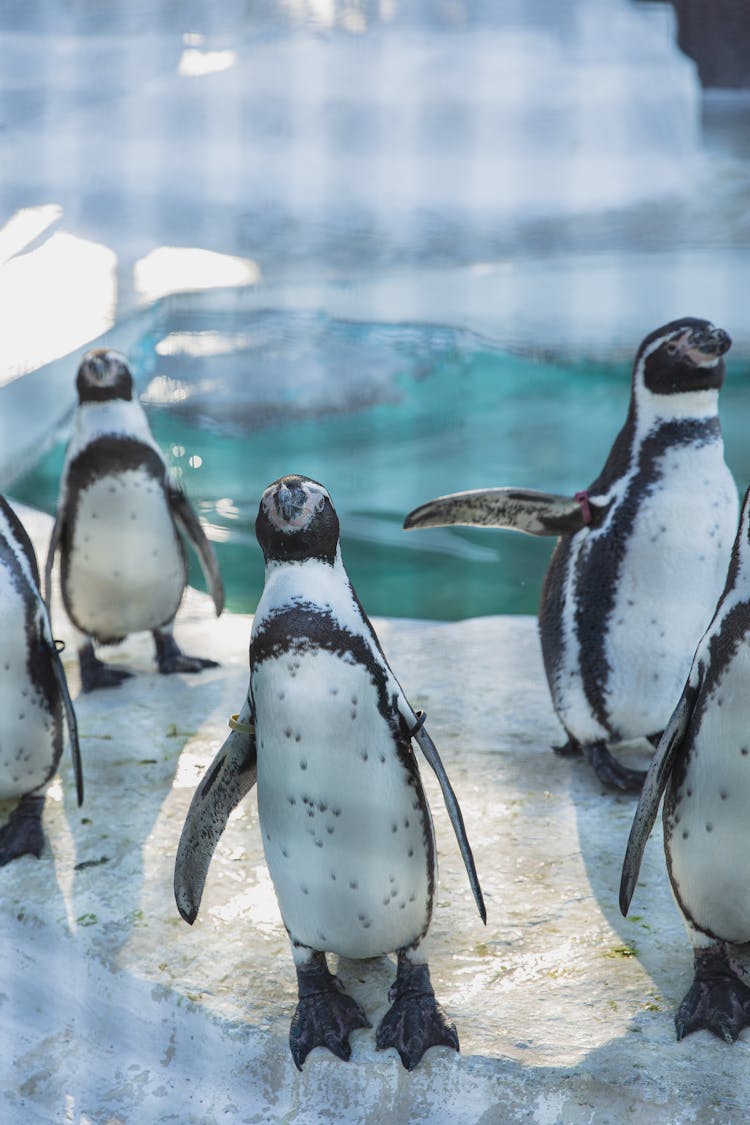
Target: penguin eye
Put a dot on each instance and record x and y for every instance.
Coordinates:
(320, 504)
(671, 348)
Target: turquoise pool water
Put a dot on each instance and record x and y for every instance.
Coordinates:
(386, 417)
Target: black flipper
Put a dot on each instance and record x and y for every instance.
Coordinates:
(187, 520)
(227, 780)
(54, 542)
(653, 788)
(519, 509)
(70, 717)
(429, 749)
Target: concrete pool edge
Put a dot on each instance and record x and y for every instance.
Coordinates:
(593, 308)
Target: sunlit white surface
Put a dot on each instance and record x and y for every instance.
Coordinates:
(162, 390)
(195, 64)
(54, 298)
(200, 344)
(23, 227)
(176, 269)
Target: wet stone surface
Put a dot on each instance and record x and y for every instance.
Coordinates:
(113, 1009)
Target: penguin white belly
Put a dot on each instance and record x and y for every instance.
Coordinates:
(344, 833)
(672, 574)
(709, 833)
(126, 570)
(26, 728)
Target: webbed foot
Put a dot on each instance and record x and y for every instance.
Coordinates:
(569, 749)
(718, 999)
(96, 674)
(611, 773)
(415, 1021)
(23, 834)
(325, 1015)
(170, 658)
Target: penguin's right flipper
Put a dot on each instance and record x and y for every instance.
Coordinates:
(54, 542)
(228, 779)
(519, 509)
(662, 764)
(187, 520)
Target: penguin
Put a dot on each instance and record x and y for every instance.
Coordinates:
(702, 767)
(34, 698)
(327, 730)
(124, 566)
(641, 554)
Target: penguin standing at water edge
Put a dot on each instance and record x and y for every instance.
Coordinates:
(346, 829)
(34, 697)
(702, 765)
(124, 567)
(641, 556)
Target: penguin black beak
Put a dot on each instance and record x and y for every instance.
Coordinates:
(290, 502)
(710, 341)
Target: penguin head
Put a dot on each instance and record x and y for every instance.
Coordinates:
(684, 355)
(297, 521)
(102, 376)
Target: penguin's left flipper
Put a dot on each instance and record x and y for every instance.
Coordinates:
(187, 520)
(519, 509)
(227, 780)
(429, 749)
(662, 764)
(70, 715)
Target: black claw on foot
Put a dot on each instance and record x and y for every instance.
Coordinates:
(570, 749)
(718, 999)
(170, 657)
(415, 1021)
(95, 674)
(23, 834)
(325, 1016)
(611, 773)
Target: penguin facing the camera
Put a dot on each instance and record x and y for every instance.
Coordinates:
(34, 698)
(702, 766)
(124, 566)
(641, 555)
(346, 829)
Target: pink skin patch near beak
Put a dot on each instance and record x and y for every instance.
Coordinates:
(695, 355)
(295, 524)
(299, 521)
(700, 359)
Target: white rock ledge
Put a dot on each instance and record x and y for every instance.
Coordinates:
(113, 1010)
